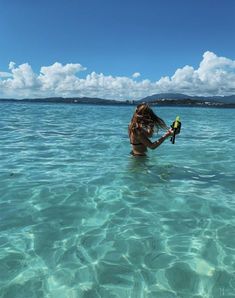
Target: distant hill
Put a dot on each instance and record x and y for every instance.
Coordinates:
(68, 100)
(162, 99)
(178, 96)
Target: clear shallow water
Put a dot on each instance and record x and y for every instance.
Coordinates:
(80, 217)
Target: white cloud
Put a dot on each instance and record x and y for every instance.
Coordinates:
(23, 81)
(136, 75)
(4, 74)
(59, 78)
(214, 76)
(11, 65)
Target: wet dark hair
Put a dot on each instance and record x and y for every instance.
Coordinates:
(145, 116)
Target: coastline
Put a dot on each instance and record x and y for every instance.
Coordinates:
(98, 101)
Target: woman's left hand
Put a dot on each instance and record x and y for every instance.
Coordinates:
(169, 133)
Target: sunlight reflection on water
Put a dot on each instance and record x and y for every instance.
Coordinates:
(81, 217)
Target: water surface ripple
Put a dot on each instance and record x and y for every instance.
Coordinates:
(80, 217)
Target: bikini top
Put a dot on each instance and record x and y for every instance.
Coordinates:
(135, 144)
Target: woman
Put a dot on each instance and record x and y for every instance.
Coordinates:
(141, 128)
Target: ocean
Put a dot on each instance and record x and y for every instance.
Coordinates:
(81, 217)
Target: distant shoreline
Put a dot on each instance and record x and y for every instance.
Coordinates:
(98, 101)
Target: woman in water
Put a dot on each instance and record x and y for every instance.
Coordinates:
(141, 128)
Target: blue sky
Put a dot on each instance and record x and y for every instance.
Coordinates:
(116, 49)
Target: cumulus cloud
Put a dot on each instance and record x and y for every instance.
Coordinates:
(4, 74)
(11, 65)
(58, 78)
(21, 82)
(136, 75)
(214, 76)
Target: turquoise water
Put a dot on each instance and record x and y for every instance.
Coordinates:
(80, 217)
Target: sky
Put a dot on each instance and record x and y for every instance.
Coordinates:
(116, 49)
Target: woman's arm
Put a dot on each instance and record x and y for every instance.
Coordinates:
(153, 145)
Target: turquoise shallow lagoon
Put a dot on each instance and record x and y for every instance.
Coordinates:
(80, 217)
